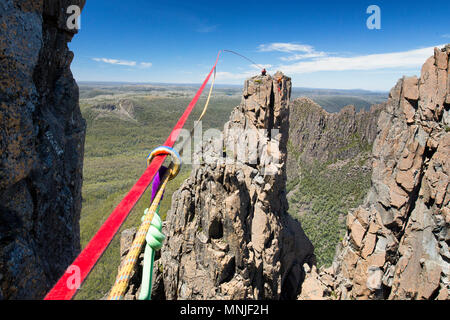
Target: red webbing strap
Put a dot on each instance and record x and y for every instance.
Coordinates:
(76, 273)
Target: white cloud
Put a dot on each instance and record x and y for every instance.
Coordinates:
(311, 55)
(385, 67)
(124, 62)
(146, 64)
(115, 61)
(412, 58)
(447, 35)
(307, 51)
(285, 47)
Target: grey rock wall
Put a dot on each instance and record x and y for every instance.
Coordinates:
(396, 245)
(41, 147)
(318, 136)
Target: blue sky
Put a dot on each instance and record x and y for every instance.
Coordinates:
(320, 44)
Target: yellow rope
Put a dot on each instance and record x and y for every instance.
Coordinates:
(124, 275)
(209, 96)
(196, 123)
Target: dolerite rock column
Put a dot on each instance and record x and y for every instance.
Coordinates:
(41, 142)
(229, 235)
(397, 243)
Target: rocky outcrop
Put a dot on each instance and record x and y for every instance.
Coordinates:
(228, 232)
(318, 136)
(397, 243)
(41, 140)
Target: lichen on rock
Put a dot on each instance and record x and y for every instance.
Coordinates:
(41, 142)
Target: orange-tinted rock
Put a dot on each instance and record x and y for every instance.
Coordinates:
(398, 196)
(357, 233)
(430, 282)
(408, 110)
(348, 263)
(406, 179)
(411, 88)
(406, 246)
(377, 259)
(441, 59)
(428, 90)
(363, 217)
(369, 244)
(360, 289)
(312, 287)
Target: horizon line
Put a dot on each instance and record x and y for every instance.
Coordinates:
(221, 84)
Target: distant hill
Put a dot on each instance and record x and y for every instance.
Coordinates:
(332, 100)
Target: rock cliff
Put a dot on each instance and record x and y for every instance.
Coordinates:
(396, 246)
(316, 135)
(328, 169)
(229, 235)
(41, 141)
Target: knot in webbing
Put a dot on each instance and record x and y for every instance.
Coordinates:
(154, 236)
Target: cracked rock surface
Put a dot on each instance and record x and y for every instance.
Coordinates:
(396, 245)
(41, 142)
(229, 235)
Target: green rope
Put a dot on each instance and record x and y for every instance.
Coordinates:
(154, 240)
